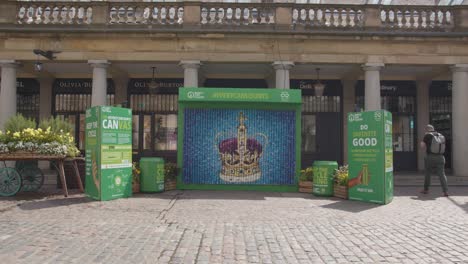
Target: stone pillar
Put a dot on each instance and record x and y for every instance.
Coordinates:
(45, 97)
(99, 92)
(282, 73)
(372, 86)
(459, 120)
(349, 100)
(190, 72)
(45, 112)
(7, 91)
(422, 117)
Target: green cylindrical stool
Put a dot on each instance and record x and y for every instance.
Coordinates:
(152, 174)
(323, 177)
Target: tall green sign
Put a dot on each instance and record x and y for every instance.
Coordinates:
(370, 156)
(108, 152)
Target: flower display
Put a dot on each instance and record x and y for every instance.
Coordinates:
(40, 141)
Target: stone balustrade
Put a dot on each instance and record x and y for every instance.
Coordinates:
(143, 13)
(236, 14)
(214, 15)
(417, 18)
(35, 13)
(323, 16)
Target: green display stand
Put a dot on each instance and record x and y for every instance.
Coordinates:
(323, 177)
(370, 156)
(152, 174)
(108, 152)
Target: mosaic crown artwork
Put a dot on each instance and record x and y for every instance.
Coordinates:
(239, 146)
(240, 156)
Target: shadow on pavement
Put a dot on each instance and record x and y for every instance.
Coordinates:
(351, 206)
(42, 204)
(462, 206)
(424, 197)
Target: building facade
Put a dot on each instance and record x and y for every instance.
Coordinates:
(59, 58)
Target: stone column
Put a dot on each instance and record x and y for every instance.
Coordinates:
(99, 92)
(422, 116)
(372, 86)
(45, 97)
(459, 120)
(282, 73)
(7, 91)
(45, 112)
(349, 100)
(190, 72)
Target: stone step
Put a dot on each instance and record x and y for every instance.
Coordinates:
(418, 180)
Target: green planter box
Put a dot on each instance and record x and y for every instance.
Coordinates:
(152, 175)
(323, 177)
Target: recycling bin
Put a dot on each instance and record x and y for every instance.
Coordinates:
(152, 174)
(323, 177)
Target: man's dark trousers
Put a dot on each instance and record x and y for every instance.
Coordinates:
(436, 162)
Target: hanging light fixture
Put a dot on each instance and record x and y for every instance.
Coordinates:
(153, 85)
(318, 86)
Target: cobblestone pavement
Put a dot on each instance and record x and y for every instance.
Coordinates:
(235, 227)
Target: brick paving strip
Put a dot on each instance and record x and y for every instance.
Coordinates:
(235, 227)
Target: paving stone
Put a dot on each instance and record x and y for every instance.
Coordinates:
(235, 227)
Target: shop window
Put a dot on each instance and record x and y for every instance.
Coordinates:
(402, 109)
(147, 132)
(28, 105)
(135, 131)
(440, 104)
(308, 133)
(403, 133)
(165, 132)
(314, 104)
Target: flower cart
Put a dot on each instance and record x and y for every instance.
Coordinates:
(12, 180)
(23, 143)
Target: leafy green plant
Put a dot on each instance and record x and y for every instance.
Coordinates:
(341, 175)
(56, 125)
(307, 174)
(170, 171)
(18, 123)
(22, 135)
(136, 171)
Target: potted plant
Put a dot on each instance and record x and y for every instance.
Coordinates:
(136, 171)
(170, 176)
(340, 178)
(306, 180)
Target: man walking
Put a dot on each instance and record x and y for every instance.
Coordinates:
(434, 143)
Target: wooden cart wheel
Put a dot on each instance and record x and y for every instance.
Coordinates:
(10, 182)
(32, 178)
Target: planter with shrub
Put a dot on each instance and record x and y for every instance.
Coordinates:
(341, 182)
(306, 180)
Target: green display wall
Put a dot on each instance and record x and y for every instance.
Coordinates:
(239, 139)
(108, 152)
(370, 156)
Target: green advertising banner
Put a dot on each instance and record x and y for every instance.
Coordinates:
(239, 95)
(108, 152)
(370, 156)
